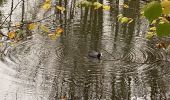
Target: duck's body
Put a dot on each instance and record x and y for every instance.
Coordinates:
(95, 54)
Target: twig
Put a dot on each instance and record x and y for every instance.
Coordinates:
(10, 13)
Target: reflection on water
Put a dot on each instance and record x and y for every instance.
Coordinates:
(131, 67)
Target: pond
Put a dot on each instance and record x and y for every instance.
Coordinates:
(41, 68)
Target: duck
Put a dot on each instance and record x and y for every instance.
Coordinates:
(95, 54)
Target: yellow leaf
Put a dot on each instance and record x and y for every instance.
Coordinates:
(149, 35)
(53, 36)
(130, 20)
(124, 19)
(11, 35)
(153, 22)
(165, 19)
(166, 6)
(120, 17)
(97, 5)
(142, 13)
(1, 44)
(105, 7)
(152, 29)
(46, 6)
(1, 34)
(31, 26)
(161, 22)
(44, 28)
(61, 8)
(59, 30)
(125, 6)
(57, 33)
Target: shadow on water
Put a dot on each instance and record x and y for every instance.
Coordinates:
(131, 68)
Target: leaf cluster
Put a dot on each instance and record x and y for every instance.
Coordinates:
(158, 15)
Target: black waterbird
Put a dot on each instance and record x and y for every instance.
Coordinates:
(95, 54)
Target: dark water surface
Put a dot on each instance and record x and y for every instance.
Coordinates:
(39, 68)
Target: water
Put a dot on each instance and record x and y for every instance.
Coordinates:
(132, 68)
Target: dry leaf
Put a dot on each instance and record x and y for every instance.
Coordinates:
(152, 28)
(11, 34)
(61, 8)
(149, 35)
(59, 30)
(130, 20)
(31, 26)
(125, 6)
(44, 28)
(52, 36)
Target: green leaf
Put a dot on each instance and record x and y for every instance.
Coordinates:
(153, 10)
(124, 20)
(86, 3)
(163, 29)
(97, 5)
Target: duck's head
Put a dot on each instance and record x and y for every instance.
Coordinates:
(99, 55)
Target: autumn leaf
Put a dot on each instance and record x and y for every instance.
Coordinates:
(44, 28)
(53, 36)
(63, 98)
(166, 6)
(149, 35)
(130, 20)
(152, 28)
(124, 20)
(125, 6)
(59, 30)
(56, 34)
(153, 22)
(31, 26)
(120, 16)
(1, 34)
(61, 8)
(11, 34)
(161, 45)
(46, 6)
(105, 7)
(97, 5)
(142, 13)
(1, 44)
